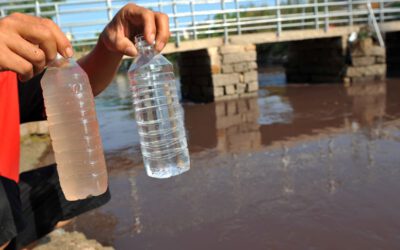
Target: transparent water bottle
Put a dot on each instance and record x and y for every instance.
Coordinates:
(158, 113)
(74, 130)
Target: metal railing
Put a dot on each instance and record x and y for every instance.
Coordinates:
(196, 19)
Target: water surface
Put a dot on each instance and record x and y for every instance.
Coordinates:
(298, 167)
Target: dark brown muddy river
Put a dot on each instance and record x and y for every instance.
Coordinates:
(298, 167)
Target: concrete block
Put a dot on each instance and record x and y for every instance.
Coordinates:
(218, 91)
(241, 67)
(240, 57)
(377, 51)
(230, 89)
(252, 86)
(215, 69)
(253, 65)
(250, 76)
(380, 59)
(363, 61)
(227, 68)
(225, 79)
(231, 49)
(371, 70)
(250, 47)
(240, 88)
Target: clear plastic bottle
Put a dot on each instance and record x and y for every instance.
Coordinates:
(158, 113)
(74, 130)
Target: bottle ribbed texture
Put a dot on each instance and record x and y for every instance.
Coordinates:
(74, 130)
(158, 113)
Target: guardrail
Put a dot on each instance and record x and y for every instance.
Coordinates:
(195, 19)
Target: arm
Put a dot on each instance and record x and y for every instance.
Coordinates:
(115, 42)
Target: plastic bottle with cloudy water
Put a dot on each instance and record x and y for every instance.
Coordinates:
(158, 113)
(74, 130)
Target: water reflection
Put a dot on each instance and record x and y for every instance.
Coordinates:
(297, 167)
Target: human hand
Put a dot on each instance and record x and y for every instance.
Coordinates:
(130, 21)
(28, 43)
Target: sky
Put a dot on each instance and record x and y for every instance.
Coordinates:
(89, 31)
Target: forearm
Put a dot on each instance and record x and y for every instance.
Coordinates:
(100, 65)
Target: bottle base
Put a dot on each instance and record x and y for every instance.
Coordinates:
(166, 172)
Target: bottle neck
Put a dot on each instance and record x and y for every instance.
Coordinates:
(143, 47)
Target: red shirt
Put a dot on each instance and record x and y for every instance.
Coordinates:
(9, 126)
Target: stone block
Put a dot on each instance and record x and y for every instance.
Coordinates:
(241, 67)
(230, 89)
(225, 79)
(363, 61)
(380, 59)
(215, 69)
(253, 65)
(366, 44)
(240, 57)
(250, 76)
(250, 47)
(218, 91)
(231, 49)
(226, 98)
(227, 68)
(371, 70)
(377, 51)
(252, 86)
(240, 88)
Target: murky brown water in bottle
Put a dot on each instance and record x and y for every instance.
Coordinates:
(298, 167)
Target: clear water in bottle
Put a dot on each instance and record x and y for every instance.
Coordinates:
(74, 130)
(158, 113)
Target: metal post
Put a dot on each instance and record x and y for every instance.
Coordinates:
(193, 19)
(350, 10)
(175, 11)
(2, 13)
(326, 15)
(278, 16)
(37, 8)
(57, 10)
(237, 7)
(224, 18)
(381, 11)
(160, 7)
(109, 9)
(316, 14)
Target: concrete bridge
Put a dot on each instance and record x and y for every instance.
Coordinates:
(217, 39)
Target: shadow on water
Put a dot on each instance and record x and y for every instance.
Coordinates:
(298, 167)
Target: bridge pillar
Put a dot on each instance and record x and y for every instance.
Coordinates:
(367, 62)
(222, 73)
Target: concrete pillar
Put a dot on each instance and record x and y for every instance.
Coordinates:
(367, 62)
(222, 73)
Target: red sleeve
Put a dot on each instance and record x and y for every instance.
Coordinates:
(9, 126)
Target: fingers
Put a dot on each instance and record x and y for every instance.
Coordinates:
(22, 67)
(31, 53)
(44, 33)
(142, 20)
(63, 45)
(163, 34)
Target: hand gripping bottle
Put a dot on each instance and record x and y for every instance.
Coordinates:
(159, 115)
(74, 130)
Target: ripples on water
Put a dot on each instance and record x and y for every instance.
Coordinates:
(298, 167)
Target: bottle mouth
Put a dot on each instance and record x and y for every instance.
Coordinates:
(140, 41)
